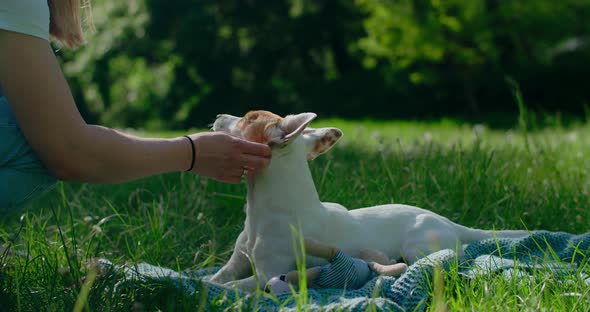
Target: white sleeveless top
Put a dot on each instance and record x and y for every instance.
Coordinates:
(29, 17)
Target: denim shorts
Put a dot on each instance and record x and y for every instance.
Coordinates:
(22, 175)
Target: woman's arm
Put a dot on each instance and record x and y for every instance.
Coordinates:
(39, 95)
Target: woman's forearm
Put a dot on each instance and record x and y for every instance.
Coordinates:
(73, 150)
(99, 154)
(70, 148)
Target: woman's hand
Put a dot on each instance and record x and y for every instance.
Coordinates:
(226, 158)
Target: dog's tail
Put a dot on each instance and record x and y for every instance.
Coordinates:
(468, 235)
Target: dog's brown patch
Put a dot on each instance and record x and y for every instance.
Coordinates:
(256, 126)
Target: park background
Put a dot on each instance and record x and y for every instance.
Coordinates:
(477, 110)
(155, 64)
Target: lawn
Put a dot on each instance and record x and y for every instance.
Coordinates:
(475, 175)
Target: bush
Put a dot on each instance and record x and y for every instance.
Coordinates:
(176, 64)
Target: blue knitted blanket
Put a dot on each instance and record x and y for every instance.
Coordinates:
(553, 252)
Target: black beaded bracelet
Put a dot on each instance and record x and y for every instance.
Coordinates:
(193, 150)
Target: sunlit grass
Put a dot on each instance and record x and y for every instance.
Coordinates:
(471, 173)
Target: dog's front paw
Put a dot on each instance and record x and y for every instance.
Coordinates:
(277, 285)
(219, 277)
(247, 284)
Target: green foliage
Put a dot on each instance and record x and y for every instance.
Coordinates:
(170, 65)
(464, 49)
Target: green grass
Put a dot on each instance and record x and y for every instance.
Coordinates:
(473, 175)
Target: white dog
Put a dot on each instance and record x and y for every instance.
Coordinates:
(284, 195)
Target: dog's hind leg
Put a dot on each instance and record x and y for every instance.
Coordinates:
(420, 247)
(238, 266)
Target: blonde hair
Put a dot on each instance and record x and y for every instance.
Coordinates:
(65, 21)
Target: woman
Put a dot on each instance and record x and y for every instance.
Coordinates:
(43, 138)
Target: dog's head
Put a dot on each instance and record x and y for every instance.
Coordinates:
(267, 128)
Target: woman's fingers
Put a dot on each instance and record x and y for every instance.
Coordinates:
(235, 175)
(256, 149)
(226, 158)
(232, 179)
(251, 162)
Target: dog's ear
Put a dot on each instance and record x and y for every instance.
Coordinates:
(319, 141)
(291, 127)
